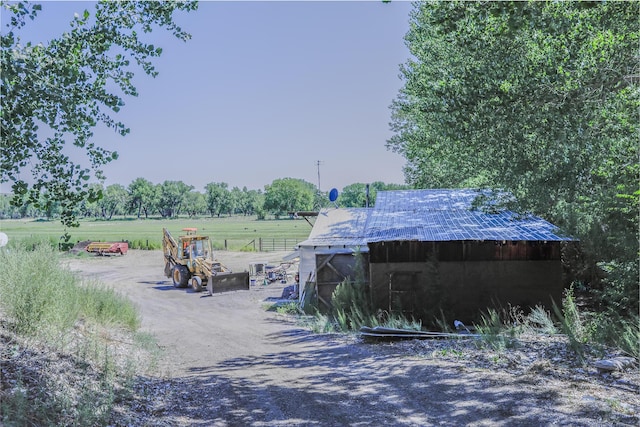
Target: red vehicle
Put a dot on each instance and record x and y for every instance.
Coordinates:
(101, 248)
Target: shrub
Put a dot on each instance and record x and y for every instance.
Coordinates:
(288, 308)
(627, 337)
(494, 332)
(619, 292)
(399, 322)
(322, 324)
(539, 320)
(606, 329)
(145, 244)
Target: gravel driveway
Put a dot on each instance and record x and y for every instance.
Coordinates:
(230, 362)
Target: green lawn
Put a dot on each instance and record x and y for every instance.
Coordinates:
(238, 231)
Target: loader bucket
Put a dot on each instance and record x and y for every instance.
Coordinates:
(224, 282)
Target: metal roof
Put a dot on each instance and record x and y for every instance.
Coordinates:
(339, 227)
(428, 216)
(447, 215)
(419, 200)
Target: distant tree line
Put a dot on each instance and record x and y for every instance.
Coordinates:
(144, 199)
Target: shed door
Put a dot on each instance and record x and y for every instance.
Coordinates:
(331, 270)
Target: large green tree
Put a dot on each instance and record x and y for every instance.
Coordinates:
(537, 98)
(170, 197)
(142, 194)
(218, 198)
(246, 201)
(113, 201)
(251, 201)
(55, 94)
(195, 203)
(6, 210)
(289, 195)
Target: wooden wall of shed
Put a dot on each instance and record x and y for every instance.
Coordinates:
(462, 289)
(466, 283)
(415, 251)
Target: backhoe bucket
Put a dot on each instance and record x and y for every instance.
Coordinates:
(224, 282)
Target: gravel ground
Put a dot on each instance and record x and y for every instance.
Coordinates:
(228, 361)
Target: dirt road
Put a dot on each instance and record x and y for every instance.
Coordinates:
(230, 362)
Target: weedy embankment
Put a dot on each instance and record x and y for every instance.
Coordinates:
(70, 349)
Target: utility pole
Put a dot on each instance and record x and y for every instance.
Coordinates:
(318, 164)
(367, 196)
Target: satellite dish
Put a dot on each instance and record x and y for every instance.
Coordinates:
(333, 195)
(4, 239)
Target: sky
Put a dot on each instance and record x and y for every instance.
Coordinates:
(263, 90)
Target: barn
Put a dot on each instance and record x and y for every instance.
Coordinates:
(430, 253)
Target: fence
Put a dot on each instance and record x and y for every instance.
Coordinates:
(270, 244)
(261, 244)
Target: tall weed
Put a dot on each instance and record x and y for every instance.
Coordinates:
(612, 329)
(571, 323)
(322, 323)
(45, 306)
(500, 329)
(400, 322)
(539, 320)
(43, 299)
(494, 332)
(352, 309)
(36, 294)
(628, 337)
(107, 307)
(350, 300)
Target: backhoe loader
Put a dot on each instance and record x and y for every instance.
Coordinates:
(189, 260)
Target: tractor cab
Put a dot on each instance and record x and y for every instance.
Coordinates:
(193, 245)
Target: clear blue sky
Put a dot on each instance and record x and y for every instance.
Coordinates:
(262, 91)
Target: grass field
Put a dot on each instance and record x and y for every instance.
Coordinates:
(238, 231)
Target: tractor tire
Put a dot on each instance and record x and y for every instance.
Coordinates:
(196, 283)
(180, 276)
